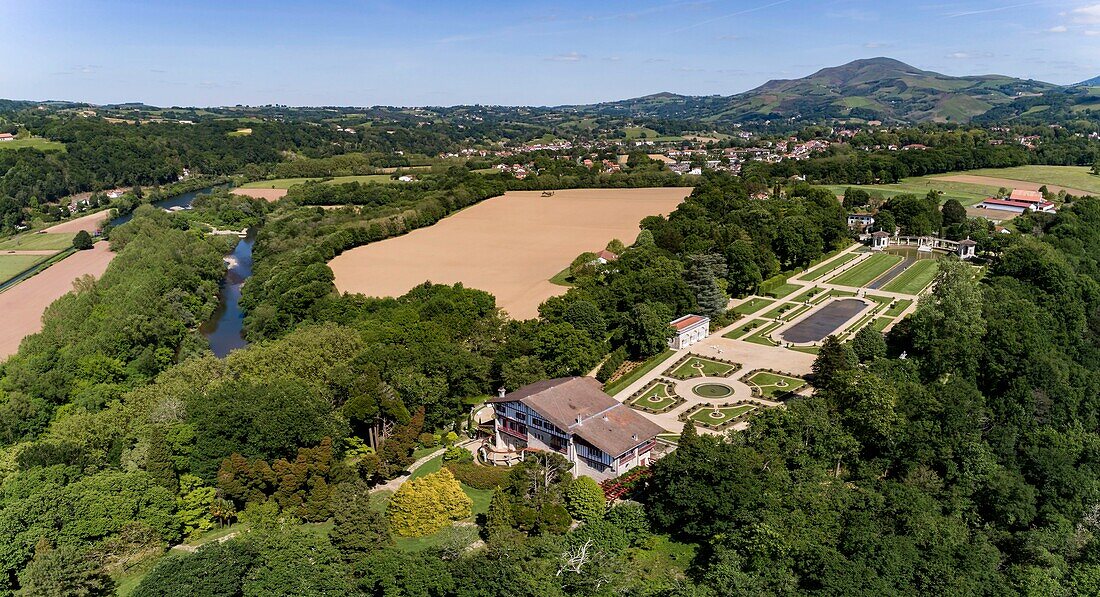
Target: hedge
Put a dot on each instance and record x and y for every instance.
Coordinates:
(478, 476)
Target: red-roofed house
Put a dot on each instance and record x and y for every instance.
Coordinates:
(1026, 196)
(690, 329)
(604, 257)
(7, 137)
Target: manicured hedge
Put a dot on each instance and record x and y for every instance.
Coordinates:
(478, 476)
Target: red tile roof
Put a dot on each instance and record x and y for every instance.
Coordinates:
(686, 321)
(1027, 196)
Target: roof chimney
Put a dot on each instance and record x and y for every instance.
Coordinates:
(501, 392)
(634, 436)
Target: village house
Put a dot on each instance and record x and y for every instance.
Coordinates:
(860, 221)
(690, 329)
(572, 416)
(7, 137)
(603, 258)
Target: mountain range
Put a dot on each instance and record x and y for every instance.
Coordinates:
(869, 89)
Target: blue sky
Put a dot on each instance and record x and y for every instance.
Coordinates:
(361, 52)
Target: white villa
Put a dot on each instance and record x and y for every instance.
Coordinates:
(690, 329)
(572, 416)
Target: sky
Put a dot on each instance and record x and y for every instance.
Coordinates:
(526, 52)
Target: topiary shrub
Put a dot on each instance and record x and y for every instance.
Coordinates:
(457, 454)
(423, 506)
(585, 499)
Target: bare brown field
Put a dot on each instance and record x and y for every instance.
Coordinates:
(661, 157)
(510, 245)
(90, 223)
(269, 194)
(22, 305)
(990, 214)
(1009, 183)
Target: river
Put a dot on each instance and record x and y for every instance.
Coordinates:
(224, 328)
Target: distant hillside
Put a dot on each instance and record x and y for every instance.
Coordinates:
(1093, 82)
(871, 89)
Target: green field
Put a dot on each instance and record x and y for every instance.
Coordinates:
(914, 279)
(701, 367)
(867, 270)
(34, 143)
(286, 183)
(880, 323)
(37, 242)
(1075, 177)
(752, 305)
(13, 265)
(825, 268)
(898, 308)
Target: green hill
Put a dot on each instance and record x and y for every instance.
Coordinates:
(871, 89)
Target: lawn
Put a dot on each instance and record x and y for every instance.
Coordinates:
(744, 329)
(914, 279)
(752, 305)
(700, 367)
(898, 307)
(782, 291)
(866, 271)
(37, 242)
(809, 294)
(881, 323)
(657, 398)
(828, 266)
(791, 315)
(13, 265)
(719, 416)
(831, 293)
(33, 143)
(781, 309)
(617, 386)
(760, 336)
(773, 384)
(562, 278)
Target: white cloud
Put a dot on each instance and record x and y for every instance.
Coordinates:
(968, 55)
(1058, 29)
(567, 57)
(871, 45)
(1092, 33)
(1088, 15)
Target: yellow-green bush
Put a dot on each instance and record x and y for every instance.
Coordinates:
(423, 506)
